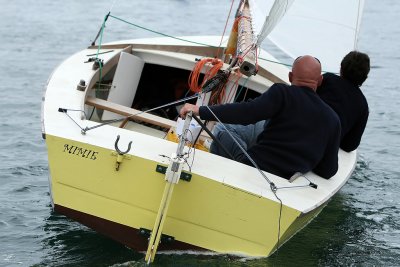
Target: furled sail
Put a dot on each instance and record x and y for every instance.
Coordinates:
(325, 29)
(275, 9)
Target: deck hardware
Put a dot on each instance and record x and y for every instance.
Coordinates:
(121, 154)
(97, 62)
(81, 85)
(164, 238)
(299, 174)
(315, 186)
(185, 176)
(295, 176)
(248, 69)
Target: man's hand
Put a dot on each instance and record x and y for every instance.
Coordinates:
(187, 108)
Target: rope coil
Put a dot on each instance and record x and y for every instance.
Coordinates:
(213, 65)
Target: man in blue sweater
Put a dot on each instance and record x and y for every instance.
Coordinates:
(302, 133)
(343, 94)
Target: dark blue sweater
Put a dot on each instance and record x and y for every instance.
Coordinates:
(302, 134)
(350, 104)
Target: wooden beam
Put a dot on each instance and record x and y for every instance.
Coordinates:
(134, 114)
(127, 111)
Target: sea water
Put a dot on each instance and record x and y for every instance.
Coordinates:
(359, 227)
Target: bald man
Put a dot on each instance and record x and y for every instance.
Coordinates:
(302, 133)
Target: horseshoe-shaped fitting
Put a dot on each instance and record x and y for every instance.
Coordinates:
(118, 150)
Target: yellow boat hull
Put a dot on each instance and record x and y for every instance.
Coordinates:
(203, 213)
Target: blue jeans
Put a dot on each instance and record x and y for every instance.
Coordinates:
(245, 135)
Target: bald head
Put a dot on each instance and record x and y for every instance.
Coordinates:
(306, 71)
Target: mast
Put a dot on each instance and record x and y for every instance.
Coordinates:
(246, 47)
(241, 40)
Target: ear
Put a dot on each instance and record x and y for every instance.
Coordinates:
(320, 80)
(290, 76)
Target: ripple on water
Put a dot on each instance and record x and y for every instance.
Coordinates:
(29, 170)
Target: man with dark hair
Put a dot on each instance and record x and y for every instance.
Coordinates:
(342, 93)
(302, 133)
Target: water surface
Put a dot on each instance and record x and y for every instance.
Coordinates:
(360, 226)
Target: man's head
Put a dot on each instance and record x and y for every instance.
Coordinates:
(355, 67)
(306, 71)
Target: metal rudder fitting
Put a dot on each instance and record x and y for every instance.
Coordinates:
(172, 176)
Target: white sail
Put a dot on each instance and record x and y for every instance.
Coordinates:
(325, 29)
(277, 10)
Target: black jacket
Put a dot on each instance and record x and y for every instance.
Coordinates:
(302, 134)
(350, 104)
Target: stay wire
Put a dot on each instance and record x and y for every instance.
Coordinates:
(65, 111)
(100, 62)
(273, 187)
(359, 12)
(112, 5)
(292, 187)
(226, 24)
(241, 88)
(271, 184)
(160, 33)
(100, 32)
(141, 112)
(180, 39)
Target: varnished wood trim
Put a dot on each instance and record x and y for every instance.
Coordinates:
(127, 111)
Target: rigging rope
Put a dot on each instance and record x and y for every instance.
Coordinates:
(100, 32)
(65, 110)
(213, 72)
(272, 185)
(173, 37)
(359, 12)
(160, 33)
(226, 24)
(216, 65)
(112, 6)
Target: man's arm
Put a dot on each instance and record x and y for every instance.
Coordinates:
(263, 107)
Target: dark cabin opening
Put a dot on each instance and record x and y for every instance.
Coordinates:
(160, 85)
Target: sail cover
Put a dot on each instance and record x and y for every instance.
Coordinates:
(324, 29)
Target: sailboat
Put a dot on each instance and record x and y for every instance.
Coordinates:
(122, 164)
